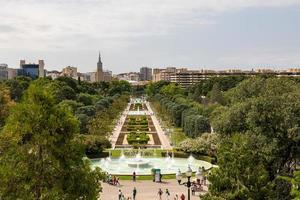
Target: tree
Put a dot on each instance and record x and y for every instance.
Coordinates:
(241, 173)
(17, 86)
(216, 95)
(41, 155)
(207, 144)
(171, 90)
(262, 115)
(5, 103)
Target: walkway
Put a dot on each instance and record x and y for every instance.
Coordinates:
(146, 190)
(116, 132)
(165, 142)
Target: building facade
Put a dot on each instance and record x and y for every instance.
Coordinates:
(145, 74)
(31, 70)
(3, 72)
(70, 72)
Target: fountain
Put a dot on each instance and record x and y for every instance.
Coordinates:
(122, 158)
(191, 159)
(168, 165)
(138, 161)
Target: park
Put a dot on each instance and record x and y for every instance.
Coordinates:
(223, 138)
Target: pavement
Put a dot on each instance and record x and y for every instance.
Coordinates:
(146, 190)
(165, 142)
(117, 130)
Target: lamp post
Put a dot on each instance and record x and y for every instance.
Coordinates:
(188, 184)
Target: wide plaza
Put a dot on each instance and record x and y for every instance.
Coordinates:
(146, 190)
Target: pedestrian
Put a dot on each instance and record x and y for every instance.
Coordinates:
(134, 176)
(120, 195)
(193, 189)
(123, 197)
(176, 197)
(182, 197)
(167, 193)
(134, 193)
(160, 192)
(118, 181)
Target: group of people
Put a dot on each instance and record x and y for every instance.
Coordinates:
(168, 195)
(122, 196)
(113, 180)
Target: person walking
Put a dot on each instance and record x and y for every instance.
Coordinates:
(168, 194)
(134, 176)
(182, 197)
(176, 197)
(134, 193)
(160, 192)
(120, 194)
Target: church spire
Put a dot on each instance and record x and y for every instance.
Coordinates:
(99, 59)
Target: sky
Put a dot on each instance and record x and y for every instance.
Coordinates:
(198, 34)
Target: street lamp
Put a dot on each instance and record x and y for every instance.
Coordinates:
(188, 184)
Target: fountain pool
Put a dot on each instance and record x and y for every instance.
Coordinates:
(143, 166)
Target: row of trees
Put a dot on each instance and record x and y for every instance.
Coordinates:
(182, 111)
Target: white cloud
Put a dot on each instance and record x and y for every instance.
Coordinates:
(42, 24)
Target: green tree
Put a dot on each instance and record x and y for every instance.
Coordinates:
(216, 95)
(171, 90)
(41, 155)
(5, 103)
(17, 86)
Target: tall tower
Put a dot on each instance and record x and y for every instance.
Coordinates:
(99, 72)
(41, 68)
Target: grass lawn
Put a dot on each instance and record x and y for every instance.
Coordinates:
(148, 177)
(177, 136)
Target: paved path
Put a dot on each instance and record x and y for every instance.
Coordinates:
(146, 190)
(116, 132)
(161, 134)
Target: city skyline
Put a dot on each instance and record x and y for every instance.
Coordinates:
(131, 34)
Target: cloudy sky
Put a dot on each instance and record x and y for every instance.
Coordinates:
(210, 34)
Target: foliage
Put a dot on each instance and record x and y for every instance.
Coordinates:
(18, 86)
(154, 88)
(216, 95)
(41, 157)
(206, 144)
(245, 177)
(95, 144)
(137, 138)
(171, 89)
(260, 127)
(5, 104)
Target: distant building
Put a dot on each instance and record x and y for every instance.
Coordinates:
(84, 76)
(70, 72)
(145, 74)
(53, 74)
(3, 72)
(92, 76)
(107, 76)
(12, 73)
(31, 70)
(294, 70)
(131, 76)
(163, 74)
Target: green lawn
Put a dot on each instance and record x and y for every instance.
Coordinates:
(148, 177)
(177, 136)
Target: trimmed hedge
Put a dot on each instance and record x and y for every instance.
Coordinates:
(137, 138)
